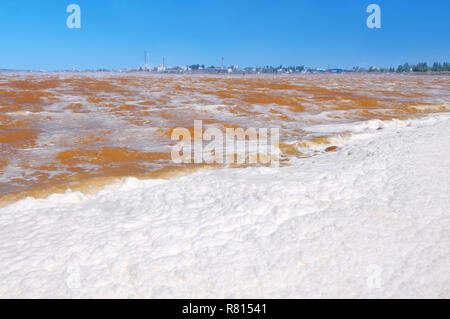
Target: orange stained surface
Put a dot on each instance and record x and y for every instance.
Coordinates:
(84, 130)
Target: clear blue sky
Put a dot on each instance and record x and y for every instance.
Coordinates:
(316, 33)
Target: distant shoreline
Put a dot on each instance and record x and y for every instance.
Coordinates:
(217, 74)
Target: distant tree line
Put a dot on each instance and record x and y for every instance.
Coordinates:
(419, 67)
(423, 67)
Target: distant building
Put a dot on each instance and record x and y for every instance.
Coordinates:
(335, 70)
(176, 69)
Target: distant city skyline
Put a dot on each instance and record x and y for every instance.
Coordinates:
(320, 34)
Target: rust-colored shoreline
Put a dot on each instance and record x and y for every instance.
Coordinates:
(91, 186)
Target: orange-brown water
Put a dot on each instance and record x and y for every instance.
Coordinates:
(61, 130)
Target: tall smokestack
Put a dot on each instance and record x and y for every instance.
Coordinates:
(146, 61)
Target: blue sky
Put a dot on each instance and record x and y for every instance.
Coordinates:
(316, 33)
